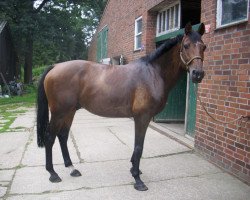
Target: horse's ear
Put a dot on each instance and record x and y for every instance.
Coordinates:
(201, 29)
(188, 28)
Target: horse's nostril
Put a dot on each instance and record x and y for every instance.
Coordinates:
(198, 74)
(195, 73)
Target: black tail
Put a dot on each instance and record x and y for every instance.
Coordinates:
(42, 110)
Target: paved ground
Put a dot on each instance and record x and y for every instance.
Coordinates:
(101, 148)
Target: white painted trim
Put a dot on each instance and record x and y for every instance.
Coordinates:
(186, 110)
(219, 16)
(102, 28)
(137, 34)
(165, 9)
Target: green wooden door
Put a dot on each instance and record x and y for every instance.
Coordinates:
(102, 44)
(191, 110)
(99, 47)
(174, 110)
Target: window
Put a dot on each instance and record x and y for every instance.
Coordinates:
(168, 20)
(138, 33)
(231, 12)
(102, 44)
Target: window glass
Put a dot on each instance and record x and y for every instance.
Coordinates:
(138, 41)
(231, 11)
(176, 15)
(163, 20)
(172, 18)
(139, 26)
(168, 19)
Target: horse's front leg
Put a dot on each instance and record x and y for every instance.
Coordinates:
(141, 125)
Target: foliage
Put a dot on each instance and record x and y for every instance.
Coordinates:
(58, 30)
(38, 71)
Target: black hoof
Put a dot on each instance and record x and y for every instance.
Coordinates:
(54, 178)
(75, 173)
(140, 187)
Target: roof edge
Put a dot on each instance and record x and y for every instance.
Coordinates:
(106, 7)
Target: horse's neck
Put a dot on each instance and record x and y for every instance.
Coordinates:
(170, 66)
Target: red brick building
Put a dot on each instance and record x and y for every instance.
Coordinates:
(135, 28)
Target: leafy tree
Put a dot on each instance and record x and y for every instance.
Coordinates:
(48, 31)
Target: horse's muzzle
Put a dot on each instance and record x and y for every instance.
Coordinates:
(197, 76)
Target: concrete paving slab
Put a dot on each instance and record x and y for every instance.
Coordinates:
(6, 175)
(170, 170)
(155, 144)
(216, 186)
(4, 183)
(99, 144)
(176, 166)
(103, 174)
(12, 146)
(22, 121)
(35, 156)
(186, 140)
(107, 136)
(109, 174)
(3, 191)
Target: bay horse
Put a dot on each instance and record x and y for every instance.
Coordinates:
(138, 90)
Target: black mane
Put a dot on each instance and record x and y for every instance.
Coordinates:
(166, 46)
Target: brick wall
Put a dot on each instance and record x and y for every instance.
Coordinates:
(225, 91)
(120, 17)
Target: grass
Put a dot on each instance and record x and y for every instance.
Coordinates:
(10, 107)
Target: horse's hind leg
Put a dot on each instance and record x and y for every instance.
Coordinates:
(54, 127)
(141, 125)
(63, 138)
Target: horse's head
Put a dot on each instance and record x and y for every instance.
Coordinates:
(192, 52)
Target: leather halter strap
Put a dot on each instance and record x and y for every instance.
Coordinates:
(188, 62)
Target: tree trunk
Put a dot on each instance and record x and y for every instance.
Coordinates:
(28, 59)
(28, 62)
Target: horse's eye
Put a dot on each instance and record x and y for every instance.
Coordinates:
(186, 46)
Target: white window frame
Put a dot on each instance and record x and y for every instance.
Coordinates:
(164, 20)
(219, 16)
(137, 34)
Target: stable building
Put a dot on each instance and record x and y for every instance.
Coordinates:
(129, 30)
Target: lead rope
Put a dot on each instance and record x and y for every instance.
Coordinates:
(239, 120)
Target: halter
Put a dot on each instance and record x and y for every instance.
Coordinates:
(188, 62)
